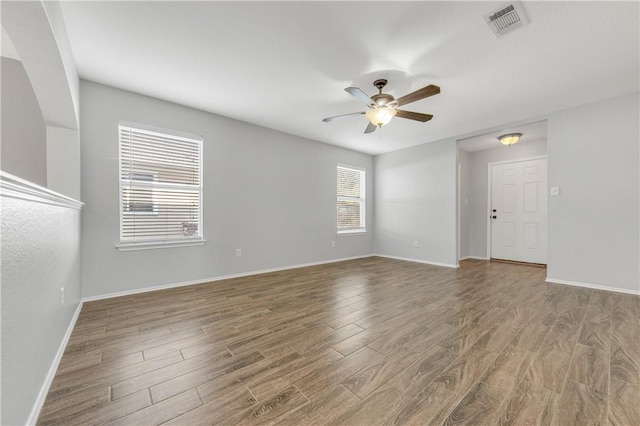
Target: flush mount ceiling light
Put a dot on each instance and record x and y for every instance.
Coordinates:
(381, 115)
(509, 139)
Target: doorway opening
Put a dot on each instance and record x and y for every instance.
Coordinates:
(475, 153)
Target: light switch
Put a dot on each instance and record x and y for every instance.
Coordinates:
(555, 191)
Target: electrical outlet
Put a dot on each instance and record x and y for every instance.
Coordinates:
(238, 252)
(61, 296)
(333, 243)
(416, 244)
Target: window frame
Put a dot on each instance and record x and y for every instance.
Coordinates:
(362, 200)
(128, 244)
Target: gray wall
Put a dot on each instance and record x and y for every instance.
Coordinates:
(63, 161)
(476, 184)
(24, 136)
(40, 254)
(40, 247)
(271, 194)
(416, 201)
(593, 224)
(464, 202)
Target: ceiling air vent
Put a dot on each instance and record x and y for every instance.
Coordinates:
(507, 18)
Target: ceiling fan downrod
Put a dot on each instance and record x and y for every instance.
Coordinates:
(382, 99)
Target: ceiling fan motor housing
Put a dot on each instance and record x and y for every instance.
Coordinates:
(382, 99)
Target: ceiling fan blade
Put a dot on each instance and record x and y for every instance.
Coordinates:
(336, 117)
(370, 128)
(418, 116)
(425, 92)
(354, 91)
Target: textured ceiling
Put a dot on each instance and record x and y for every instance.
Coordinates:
(284, 65)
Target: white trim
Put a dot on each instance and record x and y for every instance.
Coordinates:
(593, 286)
(351, 233)
(475, 258)
(459, 204)
(44, 390)
(519, 160)
(162, 131)
(158, 244)
(219, 278)
(446, 265)
(488, 212)
(15, 187)
(349, 166)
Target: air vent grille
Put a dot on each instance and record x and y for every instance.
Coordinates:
(507, 18)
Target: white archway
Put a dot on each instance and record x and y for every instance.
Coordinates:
(37, 32)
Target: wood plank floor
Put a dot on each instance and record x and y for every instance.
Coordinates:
(362, 342)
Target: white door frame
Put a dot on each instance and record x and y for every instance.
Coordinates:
(489, 184)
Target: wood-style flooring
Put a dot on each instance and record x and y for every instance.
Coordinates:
(363, 342)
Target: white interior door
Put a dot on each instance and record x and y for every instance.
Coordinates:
(518, 211)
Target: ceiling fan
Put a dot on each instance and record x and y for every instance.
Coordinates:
(382, 106)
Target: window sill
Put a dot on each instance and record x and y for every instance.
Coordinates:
(158, 244)
(350, 233)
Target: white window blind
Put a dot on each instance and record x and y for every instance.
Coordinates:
(351, 200)
(160, 187)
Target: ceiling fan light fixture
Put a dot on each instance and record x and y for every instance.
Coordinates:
(509, 139)
(381, 107)
(381, 115)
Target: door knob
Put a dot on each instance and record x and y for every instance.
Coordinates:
(494, 210)
(494, 217)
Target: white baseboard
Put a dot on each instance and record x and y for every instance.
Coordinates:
(446, 265)
(42, 396)
(219, 278)
(474, 258)
(594, 286)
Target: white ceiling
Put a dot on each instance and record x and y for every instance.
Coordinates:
(284, 65)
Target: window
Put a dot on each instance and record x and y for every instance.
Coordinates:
(351, 200)
(160, 188)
